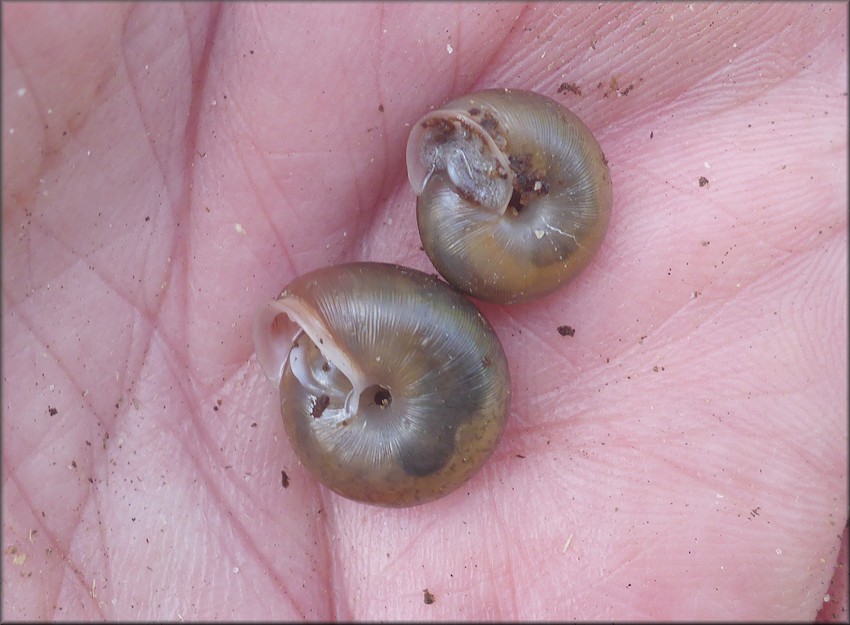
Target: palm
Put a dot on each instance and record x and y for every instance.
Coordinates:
(172, 167)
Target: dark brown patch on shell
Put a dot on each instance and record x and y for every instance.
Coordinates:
(490, 124)
(319, 406)
(443, 130)
(530, 180)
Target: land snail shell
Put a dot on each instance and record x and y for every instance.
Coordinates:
(514, 193)
(394, 389)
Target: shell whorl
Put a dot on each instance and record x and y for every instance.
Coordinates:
(514, 193)
(395, 390)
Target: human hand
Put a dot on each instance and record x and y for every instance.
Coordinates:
(168, 168)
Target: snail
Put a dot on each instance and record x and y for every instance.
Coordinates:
(394, 389)
(514, 193)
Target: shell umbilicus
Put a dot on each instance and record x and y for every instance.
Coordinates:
(514, 193)
(394, 389)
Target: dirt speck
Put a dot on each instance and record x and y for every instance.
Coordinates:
(569, 86)
(615, 88)
(566, 331)
(284, 479)
(429, 598)
(52, 411)
(703, 181)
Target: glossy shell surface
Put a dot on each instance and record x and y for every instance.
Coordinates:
(514, 193)
(394, 389)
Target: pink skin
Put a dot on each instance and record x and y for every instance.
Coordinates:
(168, 168)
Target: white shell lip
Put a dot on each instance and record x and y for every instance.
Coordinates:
(273, 335)
(417, 174)
(275, 327)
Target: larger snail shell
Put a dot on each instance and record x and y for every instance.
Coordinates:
(395, 389)
(514, 193)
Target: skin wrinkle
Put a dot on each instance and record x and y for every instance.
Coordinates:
(64, 546)
(216, 491)
(336, 578)
(454, 38)
(16, 298)
(548, 348)
(56, 239)
(342, 570)
(239, 529)
(349, 243)
(383, 100)
(79, 576)
(200, 82)
(301, 610)
(159, 302)
(667, 102)
(45, 530)
(64, 368)
(509, 583)
(719, 310)
(106, 564)
(246, 543)
(388, 178)
(136, 86)
(267, 211)
(508, 42)
(49, 150)
(358, 192)
(237, 119)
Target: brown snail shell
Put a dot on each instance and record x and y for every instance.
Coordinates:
(514, 193)
(394, 389)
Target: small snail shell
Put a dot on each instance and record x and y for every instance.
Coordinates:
(395, 389)
(514, 193)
